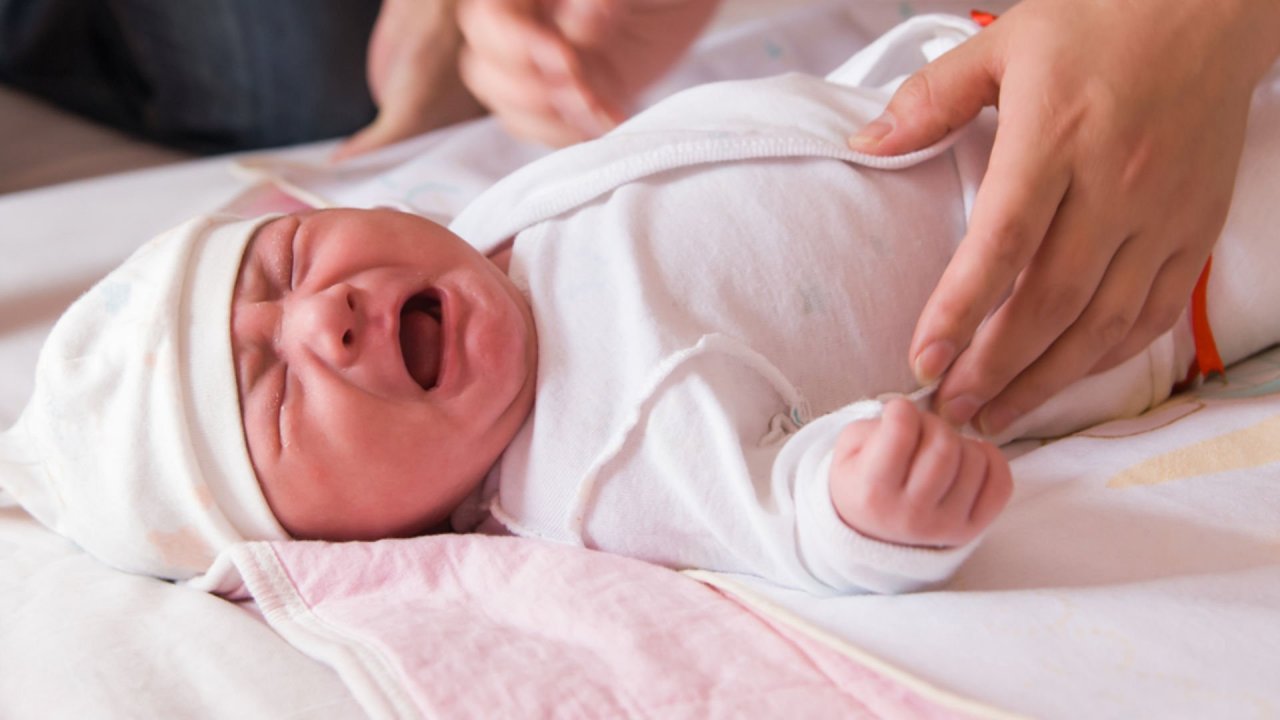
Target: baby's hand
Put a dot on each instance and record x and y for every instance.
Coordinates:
(910, 478)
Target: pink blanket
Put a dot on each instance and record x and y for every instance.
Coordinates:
(476, 626)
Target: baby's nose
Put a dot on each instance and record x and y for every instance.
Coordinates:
(326, 324)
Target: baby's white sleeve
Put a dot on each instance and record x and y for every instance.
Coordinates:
(834, 554)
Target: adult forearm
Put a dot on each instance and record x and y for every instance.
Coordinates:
(1259, 27)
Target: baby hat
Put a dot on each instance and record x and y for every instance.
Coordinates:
(132, 445)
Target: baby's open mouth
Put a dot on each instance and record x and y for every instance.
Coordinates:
(422, 338)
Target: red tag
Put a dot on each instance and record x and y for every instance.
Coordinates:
(982, 17)
(1208, 361)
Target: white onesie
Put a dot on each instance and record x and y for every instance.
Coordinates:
(715, 286)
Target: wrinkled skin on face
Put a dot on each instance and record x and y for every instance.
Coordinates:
(383, 365)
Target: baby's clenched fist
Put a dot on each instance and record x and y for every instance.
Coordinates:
(909, 478)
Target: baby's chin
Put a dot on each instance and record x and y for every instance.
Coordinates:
(366, 527)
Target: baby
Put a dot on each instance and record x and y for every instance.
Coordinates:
(700, 302)
(384, 366)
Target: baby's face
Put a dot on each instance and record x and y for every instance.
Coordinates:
(383, 366)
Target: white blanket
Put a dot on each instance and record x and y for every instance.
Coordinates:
(1136, 573)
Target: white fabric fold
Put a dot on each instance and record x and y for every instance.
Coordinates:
(131, 445)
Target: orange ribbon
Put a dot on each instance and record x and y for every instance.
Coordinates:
(1208, 362)
(982, 17)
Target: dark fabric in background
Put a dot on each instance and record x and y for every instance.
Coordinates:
(200, 75)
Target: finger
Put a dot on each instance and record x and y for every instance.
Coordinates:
(586, 23)
(503, 91)
(940, 97)
(936, 462)
(1090, 345)
(887, 456)
(511, 40)
(510, 36)
(405, 116)
(996, 488)
(1048, 299)
(548, 130)
(530, 108)
(389, 128)
(522, 89)
(366, 139)
(852, 439)
(1015, 205)
(958, 503)
(1108, 318)
(1167, 301)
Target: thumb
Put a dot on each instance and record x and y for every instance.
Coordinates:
(371, 137)
(940, 97)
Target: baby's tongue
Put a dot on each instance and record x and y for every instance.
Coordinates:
(420, 343)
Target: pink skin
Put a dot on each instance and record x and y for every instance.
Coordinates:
(910, 478)
(365, 420)
(345, 442)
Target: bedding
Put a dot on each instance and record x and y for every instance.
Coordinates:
(533, 629)
(1136, 573)
(78, 639)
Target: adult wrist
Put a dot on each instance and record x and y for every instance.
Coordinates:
(1257, 27)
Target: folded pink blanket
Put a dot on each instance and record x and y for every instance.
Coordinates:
(477, 626)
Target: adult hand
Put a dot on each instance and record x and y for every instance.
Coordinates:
(1120, 131)
(413, 74)
(563, 71)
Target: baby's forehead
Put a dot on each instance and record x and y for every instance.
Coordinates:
(378, 229)
(346, 242)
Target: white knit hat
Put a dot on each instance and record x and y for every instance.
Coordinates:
(132, 444)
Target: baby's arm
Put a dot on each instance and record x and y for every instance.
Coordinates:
(909, 478)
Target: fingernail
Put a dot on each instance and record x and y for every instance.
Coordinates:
(869, 137)
(933, 361)
(960, 410)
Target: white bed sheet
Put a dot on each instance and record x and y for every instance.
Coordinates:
(1135, 573)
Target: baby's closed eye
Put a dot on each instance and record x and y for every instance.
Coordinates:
(252, 362)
